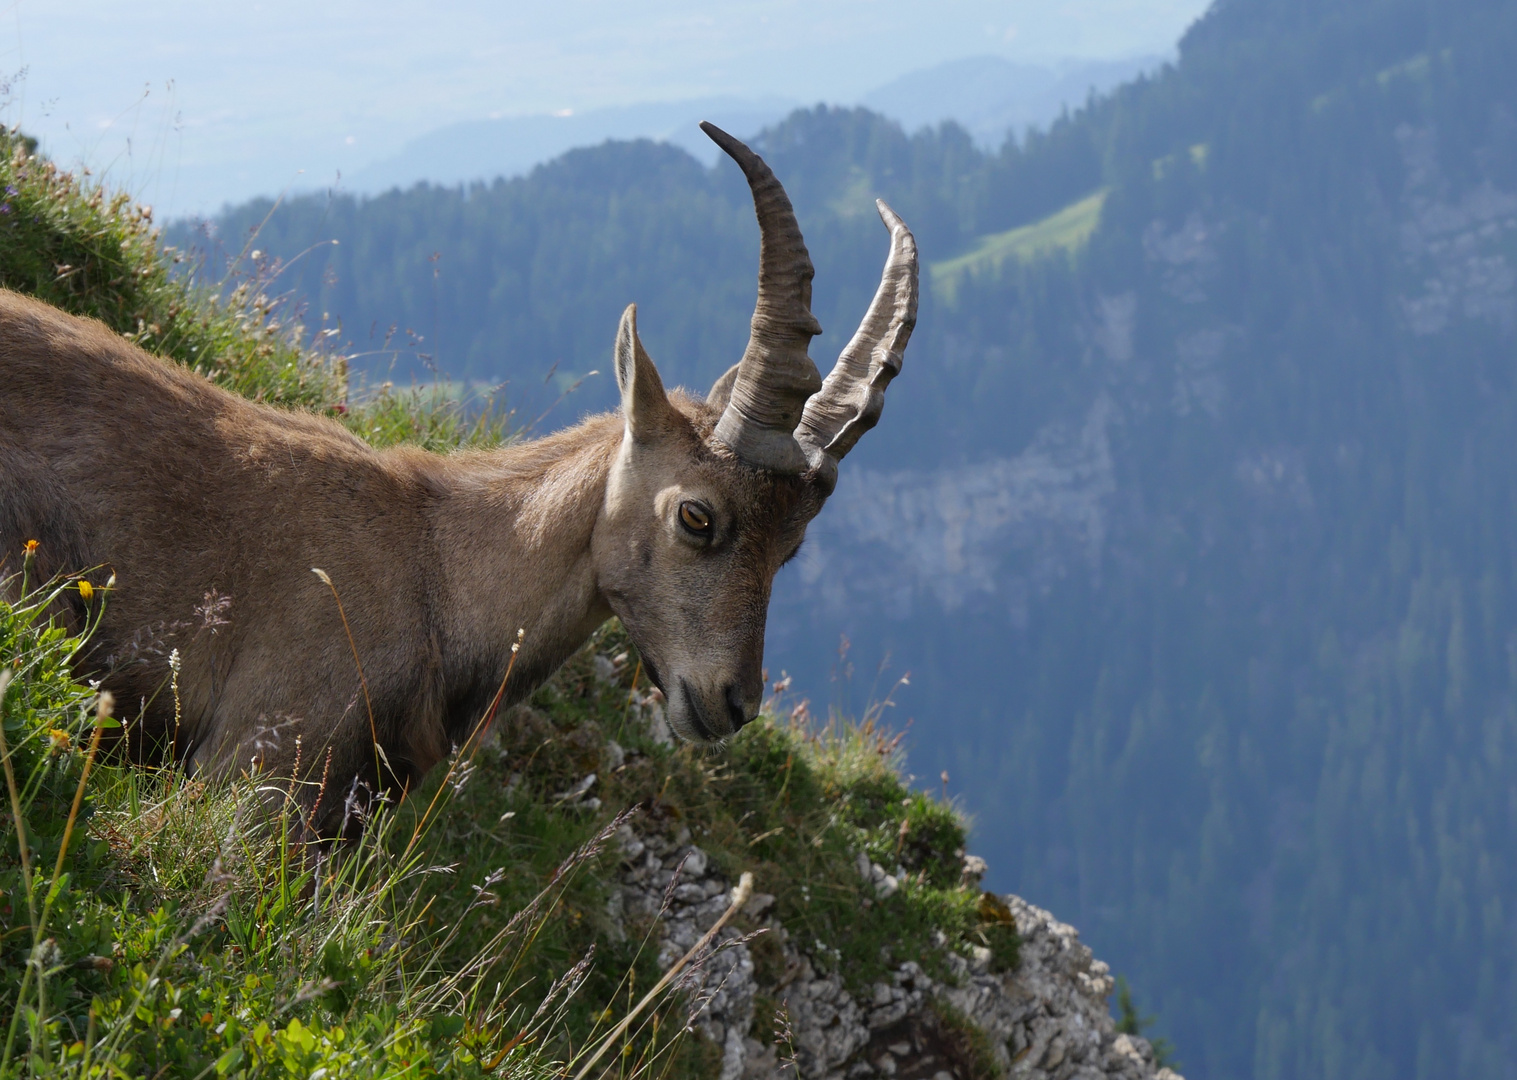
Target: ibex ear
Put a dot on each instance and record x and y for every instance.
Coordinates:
(721, 390)
(644, 403)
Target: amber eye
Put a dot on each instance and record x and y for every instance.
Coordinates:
(695, 517)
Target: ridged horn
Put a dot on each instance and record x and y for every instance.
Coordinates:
(775, 376)
(850, 401)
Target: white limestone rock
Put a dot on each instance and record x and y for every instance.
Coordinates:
(1048, 1019)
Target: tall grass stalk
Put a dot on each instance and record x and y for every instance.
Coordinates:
(19, 821)
(740, 896)
(363, 681)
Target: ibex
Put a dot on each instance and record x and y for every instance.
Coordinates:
(673, 514)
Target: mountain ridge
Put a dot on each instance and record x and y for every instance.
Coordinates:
(991, 97)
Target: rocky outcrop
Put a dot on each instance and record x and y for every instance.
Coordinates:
(1454, 243)
(1048, 1018)
(892, 539)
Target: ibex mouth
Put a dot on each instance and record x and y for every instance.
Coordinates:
(697, 719)
(654, 676)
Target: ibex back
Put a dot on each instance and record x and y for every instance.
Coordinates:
(673, 514)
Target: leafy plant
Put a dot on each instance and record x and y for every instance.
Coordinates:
(1130, 1022)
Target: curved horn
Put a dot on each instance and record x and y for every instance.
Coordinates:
(776, 376)
(850, 401)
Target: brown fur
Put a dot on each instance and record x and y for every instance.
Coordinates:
(116, 460)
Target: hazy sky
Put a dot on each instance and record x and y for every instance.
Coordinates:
(192, 102)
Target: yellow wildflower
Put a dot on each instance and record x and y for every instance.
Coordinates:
(86, 590)
(59, 738)
(31, 547)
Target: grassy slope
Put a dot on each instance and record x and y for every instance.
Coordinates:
(1065, 230)
(182, 934)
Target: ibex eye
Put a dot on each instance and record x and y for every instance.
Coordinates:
(695, 517)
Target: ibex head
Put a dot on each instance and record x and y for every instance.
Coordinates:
(706, 502)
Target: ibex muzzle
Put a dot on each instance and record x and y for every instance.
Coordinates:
(674, 514)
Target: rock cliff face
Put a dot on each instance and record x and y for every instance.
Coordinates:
(999, 531)
(1047, 1018)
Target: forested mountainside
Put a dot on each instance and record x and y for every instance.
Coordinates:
(1192, 516)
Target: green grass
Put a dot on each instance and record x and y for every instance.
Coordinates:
(185, 933)
(969, 1045)
(155, 926)
(790, 801)
(68, 241)
(438, 417)
(158, 926)
(1067, 230)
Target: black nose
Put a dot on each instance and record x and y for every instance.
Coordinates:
(737, 714)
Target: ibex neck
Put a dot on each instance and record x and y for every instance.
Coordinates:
(513, 541)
